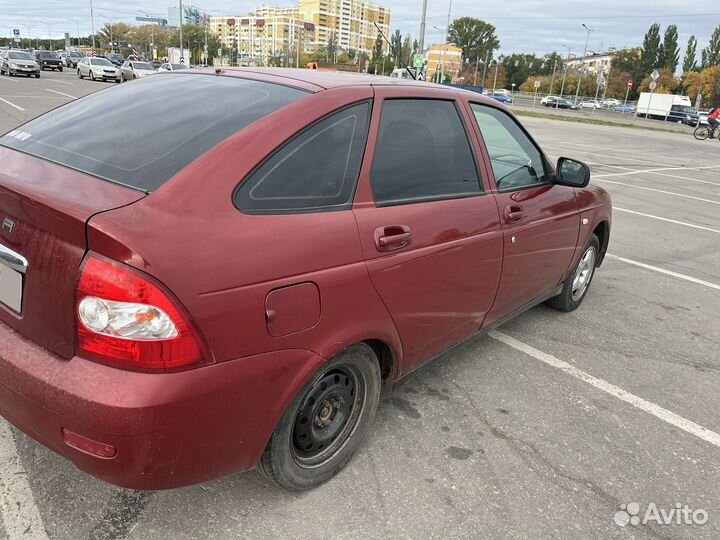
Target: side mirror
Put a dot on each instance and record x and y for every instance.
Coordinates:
(573, 173)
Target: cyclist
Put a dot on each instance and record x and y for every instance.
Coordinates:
(714, 120)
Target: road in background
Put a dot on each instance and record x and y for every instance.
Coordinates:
(541, 430)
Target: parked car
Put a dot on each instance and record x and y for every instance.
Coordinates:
(152, 357)
(97, 69)
(590, 104)
(625, 109)
(72, 58)
(610, 102)
(135, 69)
(14, 62)
(172, 67)
(547, 99)
(155, 64)
(116, 58)
(48, 60)
(502, 98)
(559, 103)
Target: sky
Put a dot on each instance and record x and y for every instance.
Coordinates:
(523, 26)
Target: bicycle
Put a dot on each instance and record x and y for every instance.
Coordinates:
(703, 132)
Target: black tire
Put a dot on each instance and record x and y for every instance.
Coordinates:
(325, 423)
(79, 74)
(701, 133)
(122, 78)
(572, 296)
(37, 75)
(92, 75)
(60, 69)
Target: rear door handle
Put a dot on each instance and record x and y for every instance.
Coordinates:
(514, 213)
(391, 237)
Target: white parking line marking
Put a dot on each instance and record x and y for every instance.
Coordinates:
(643, 171)
(663, 271)
(12, 104)
(615, 208)
(657, 190)
(48, 79)
(651, 408)
(61, 93)
(18, 510)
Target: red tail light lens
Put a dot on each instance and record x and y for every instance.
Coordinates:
(127, 321)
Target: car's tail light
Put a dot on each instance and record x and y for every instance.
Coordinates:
(126, 320)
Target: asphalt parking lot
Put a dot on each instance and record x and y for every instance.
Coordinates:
(542, 429)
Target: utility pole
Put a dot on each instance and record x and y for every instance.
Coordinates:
(485, 65)
(477, 61)
(497, 64)
(182, 51)
(582, 62)
(565, 68)
(421, 41)
(92, 23)
(552, 79)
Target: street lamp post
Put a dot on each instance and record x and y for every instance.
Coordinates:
(582, 64)
(92, 23)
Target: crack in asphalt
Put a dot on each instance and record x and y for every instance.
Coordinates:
(536, 462)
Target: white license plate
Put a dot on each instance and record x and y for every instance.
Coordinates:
(11, 288)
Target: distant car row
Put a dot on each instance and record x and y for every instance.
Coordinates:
(96, 68)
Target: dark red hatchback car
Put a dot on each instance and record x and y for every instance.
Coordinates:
(228, 280)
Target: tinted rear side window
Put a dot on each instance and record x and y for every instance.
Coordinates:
(142, 134)
(423, 153)
(317, 170)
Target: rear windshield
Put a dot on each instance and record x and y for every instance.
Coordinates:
(100, 62)
(182, 116)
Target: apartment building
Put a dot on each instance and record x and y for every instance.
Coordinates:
(352, 22)
(444, 58)
(271, 34)
(268, 36)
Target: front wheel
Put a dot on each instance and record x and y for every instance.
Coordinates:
(578, 283)
(326, 422)
(701, 133)
(92, 76)
(79, 74)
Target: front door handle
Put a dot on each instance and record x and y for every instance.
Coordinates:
(391, 237)
(514, 213)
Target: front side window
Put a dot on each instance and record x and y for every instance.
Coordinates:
(423, 153)
(316, 171)
(516, 161)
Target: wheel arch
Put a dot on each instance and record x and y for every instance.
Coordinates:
(602, 231)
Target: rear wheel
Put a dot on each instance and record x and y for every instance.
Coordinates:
(701, 133)
(325, 423)
(578, 283)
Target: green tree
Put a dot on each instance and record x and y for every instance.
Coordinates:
(406, 50)
(651, 49)
(711, 53)
(475, 37)
(331, 47)
(114, 32)
(689, 61)
(396, 46)
(519, 67)
(194, 39)
(670, 49)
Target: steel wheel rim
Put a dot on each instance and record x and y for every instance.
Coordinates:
(583, 274)
(328, 416)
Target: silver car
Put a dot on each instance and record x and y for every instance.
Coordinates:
(98, 69)
(14, 62)
(135, 69)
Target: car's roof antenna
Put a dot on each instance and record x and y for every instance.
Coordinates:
(396, 53)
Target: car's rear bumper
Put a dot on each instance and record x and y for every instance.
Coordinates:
(169, 430)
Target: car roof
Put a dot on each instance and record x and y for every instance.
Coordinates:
(317, 80)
